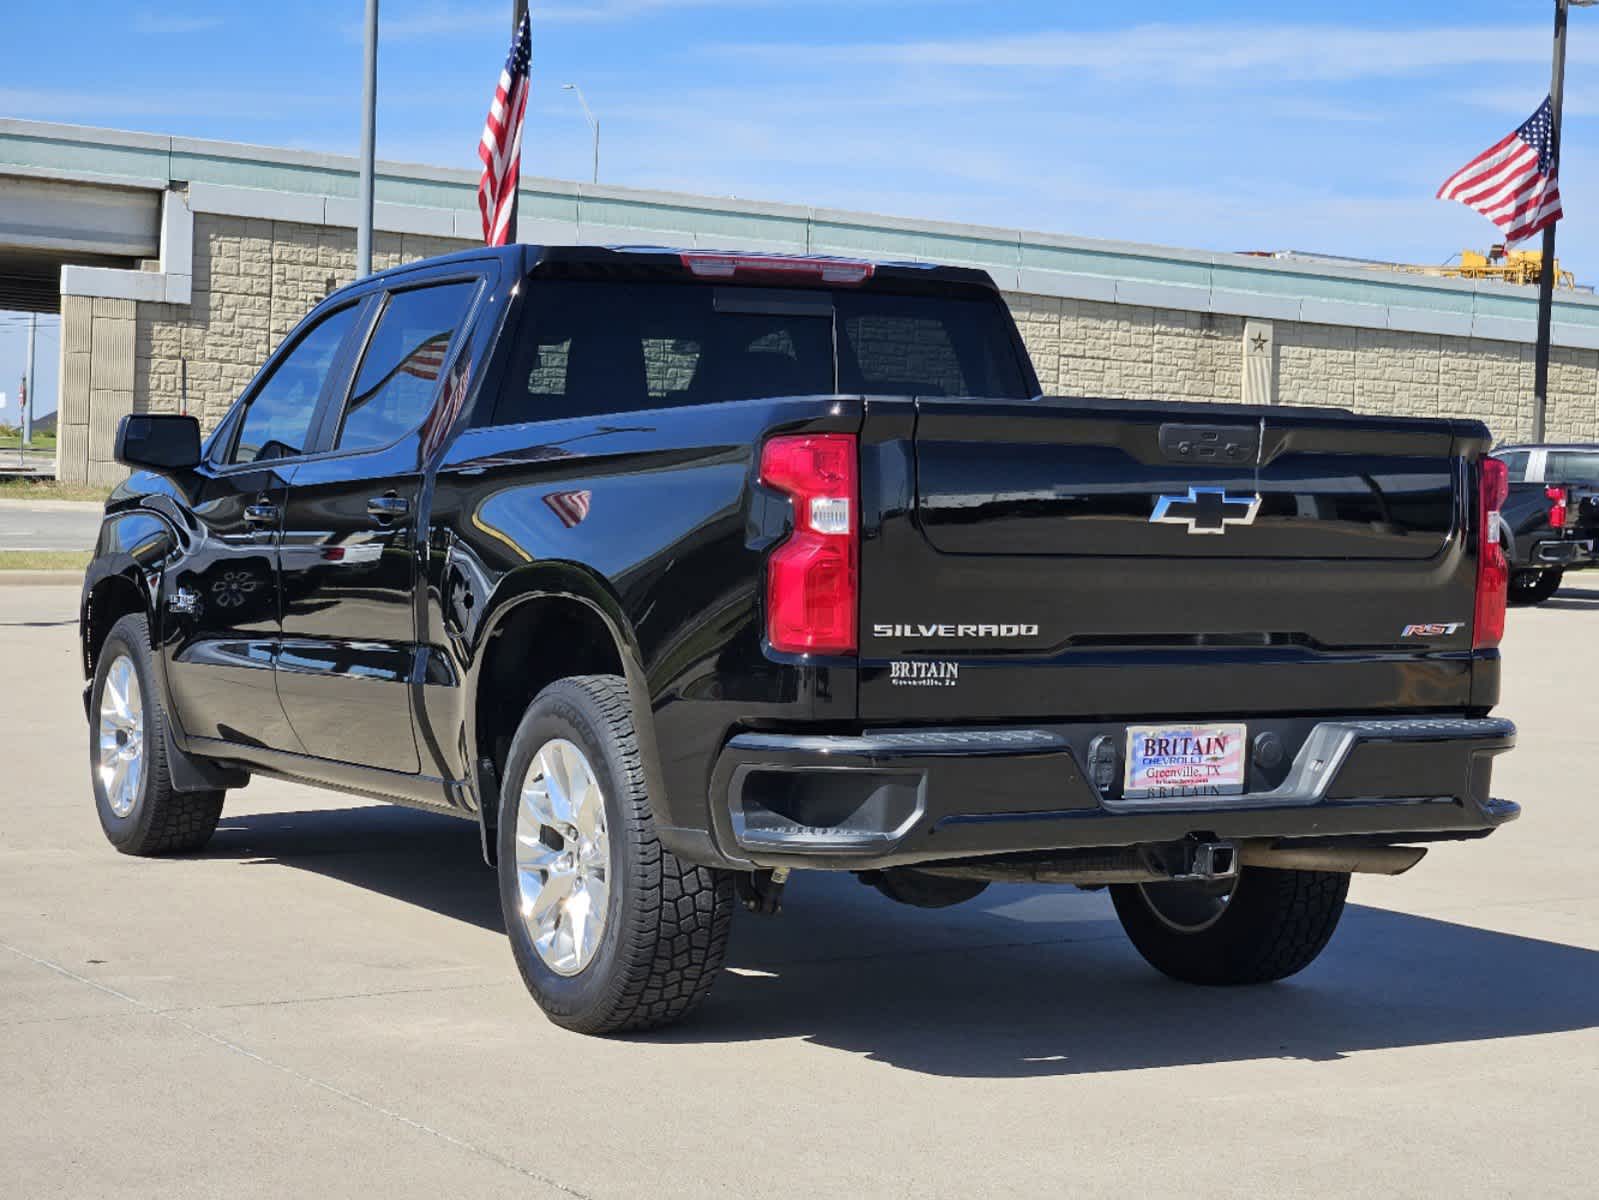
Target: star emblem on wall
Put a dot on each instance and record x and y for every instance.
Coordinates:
(1259, 343)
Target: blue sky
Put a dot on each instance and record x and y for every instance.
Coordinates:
(1239, 124)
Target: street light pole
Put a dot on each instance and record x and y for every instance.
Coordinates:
(594, 124)
(1546, 273)
(369, 134)
(28, 400)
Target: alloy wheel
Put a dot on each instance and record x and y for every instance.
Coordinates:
(563, 857)
(121, 743)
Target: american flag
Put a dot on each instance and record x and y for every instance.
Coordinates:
(501, 145)
(427, 359)
(571, 507)
(1513, 183)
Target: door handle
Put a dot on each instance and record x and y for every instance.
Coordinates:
(261, 514)
(387, 507)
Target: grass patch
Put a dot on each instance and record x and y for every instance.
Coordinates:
(40, 441)
(23, 488)
(44, 560)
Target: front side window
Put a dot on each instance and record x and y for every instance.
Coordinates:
(277, 419)
(400, 372)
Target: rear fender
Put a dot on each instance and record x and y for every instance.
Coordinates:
(563, 583)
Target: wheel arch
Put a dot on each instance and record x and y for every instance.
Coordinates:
(109, 595)
(549, 621)
(125, 577)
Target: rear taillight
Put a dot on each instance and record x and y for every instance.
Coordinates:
(811, 577)
(1493, 572)
(1557, 506)
(842, 271)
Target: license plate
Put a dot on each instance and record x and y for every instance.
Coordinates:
(1174, 761)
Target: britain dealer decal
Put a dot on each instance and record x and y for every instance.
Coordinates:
(924, 674)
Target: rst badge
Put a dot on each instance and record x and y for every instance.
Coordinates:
(1205, 510)
(1435, 629)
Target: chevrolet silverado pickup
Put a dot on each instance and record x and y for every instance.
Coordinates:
(680, 571)
(1550, 522)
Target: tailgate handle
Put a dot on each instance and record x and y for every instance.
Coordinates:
(1218, 445)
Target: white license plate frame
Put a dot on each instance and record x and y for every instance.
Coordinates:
(1185, 761)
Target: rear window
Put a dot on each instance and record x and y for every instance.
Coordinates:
(1572, 466)
(593, 347)
(1515, 464)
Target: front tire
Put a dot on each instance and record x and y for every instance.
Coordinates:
(139, 809)
(610, 930)
(1271, 924)
(1534, 587)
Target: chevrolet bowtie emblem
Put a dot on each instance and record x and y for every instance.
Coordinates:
(1205, 510)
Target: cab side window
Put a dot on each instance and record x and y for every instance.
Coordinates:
(1580, 467)
(400, 372)
(277, 419)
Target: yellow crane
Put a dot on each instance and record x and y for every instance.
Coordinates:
(1506, 266)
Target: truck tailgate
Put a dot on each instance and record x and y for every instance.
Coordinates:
(1059, 558)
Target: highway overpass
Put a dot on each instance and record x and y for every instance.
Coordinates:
(178, 263)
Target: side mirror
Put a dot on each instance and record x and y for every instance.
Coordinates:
(159, 442)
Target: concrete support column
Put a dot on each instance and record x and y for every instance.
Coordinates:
(96, 386)
(1260, 363)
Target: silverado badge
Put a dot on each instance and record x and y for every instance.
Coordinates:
(1205, 510)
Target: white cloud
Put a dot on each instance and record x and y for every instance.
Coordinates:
(1201, 53)
(1520, 102)
(443, 19)
(173, 23)
(56, 104)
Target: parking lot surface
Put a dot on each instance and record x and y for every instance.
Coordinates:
(323, 1004)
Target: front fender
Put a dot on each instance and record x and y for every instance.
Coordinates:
(135, 547)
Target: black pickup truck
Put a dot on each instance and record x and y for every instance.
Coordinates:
(1550, 522)
(680, 571)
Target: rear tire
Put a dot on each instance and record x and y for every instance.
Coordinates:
(1271, 925)
(611, 931)
(139, 809)
(1534, 587)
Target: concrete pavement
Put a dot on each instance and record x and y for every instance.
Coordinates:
(323, 1004)
(49, 524)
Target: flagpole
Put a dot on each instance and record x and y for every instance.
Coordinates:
(518, 11)
(369, 128)
(1546, 274)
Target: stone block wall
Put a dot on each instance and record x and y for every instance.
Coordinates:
(1090, 348)
(254, 279)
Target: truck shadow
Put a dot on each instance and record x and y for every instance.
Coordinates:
(1575, 599)
(1022, 981)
